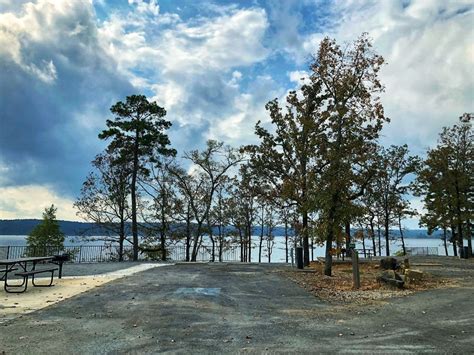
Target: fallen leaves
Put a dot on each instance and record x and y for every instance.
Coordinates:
(339, 287)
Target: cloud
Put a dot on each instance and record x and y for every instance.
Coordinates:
(16, 201)
(428, 46)
(212, 66)
(146, 6)
(57, 84)
(192, 66)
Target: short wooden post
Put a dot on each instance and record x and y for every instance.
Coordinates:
(355, 269)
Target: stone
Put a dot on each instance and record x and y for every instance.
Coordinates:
(406, 263)
(413, 276)
(389, 264)
(391, 278)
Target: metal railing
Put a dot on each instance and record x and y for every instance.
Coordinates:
(422, 251)
(107, 253)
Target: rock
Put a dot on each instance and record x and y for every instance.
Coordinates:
(389, 264)
(391, 278)
(390, 274)
(413, 276)
(406, 263)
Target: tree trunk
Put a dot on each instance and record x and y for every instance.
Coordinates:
(196, 242)
(188, 234)
(454, 238)
(221, 242)
(330, 237)
(188, 247)
(133, 189)
(387, 231)
(372, 234)
(401, 235)
(261, 237)
(445, 242)
(305, 239)
(241, 246)
(347, 228)
(121, 238)
(328, 259)
(379, 235)
(213, 248)
(469, 244)
(458, 216)
(269, 251)
(286, 241)
(163, 229)
(249, 254)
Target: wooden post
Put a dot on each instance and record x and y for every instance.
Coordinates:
(355, 269)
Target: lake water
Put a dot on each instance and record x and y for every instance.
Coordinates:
(278, 253)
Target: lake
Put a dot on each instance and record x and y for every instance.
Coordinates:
(278, 253)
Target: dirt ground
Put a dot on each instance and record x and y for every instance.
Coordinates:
(339, 289)
(241, 308)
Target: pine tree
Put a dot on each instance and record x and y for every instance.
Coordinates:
(138, 136)
(46, 234)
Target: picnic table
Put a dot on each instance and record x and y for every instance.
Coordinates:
(24, 268)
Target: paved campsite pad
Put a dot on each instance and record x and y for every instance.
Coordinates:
(228, 308)
(75, 281)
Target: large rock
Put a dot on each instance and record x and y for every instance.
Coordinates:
(391, 278)
(389, 264)
(413, 276)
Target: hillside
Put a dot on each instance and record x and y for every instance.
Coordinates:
(71, 228)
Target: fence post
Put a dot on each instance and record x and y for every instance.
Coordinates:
(355, 269)
(80, 253)
(8, 252)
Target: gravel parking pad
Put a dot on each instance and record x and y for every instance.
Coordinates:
(229, 308)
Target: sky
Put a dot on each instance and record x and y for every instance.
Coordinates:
(212, 65)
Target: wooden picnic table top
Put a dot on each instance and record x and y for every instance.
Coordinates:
(25, 260)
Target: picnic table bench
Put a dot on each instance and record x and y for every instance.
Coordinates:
(27, 267)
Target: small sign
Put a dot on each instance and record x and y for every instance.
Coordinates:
(352, 245)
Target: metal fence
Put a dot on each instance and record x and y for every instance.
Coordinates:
(106, 253)
(422, 251)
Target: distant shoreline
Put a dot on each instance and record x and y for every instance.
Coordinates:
(74, 228)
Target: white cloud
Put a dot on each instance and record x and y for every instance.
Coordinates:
(192, 66)
(31, 200)
(47, 73)
(150, 6)
(428, 46)
(298, 76)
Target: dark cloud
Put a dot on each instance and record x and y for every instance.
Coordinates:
(54, 99)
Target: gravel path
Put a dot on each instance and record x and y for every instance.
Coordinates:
(230, 308)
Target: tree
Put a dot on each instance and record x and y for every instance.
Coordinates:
(445, 181)
(104, 197)
(193, 188)
(286, 158)
(393, 166)
(46, 234)
(351, 114)
(220, 216)
(432, 183)
(160, 186)
(212, 165)
(137, 134)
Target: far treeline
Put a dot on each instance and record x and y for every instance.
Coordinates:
(318, 169)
